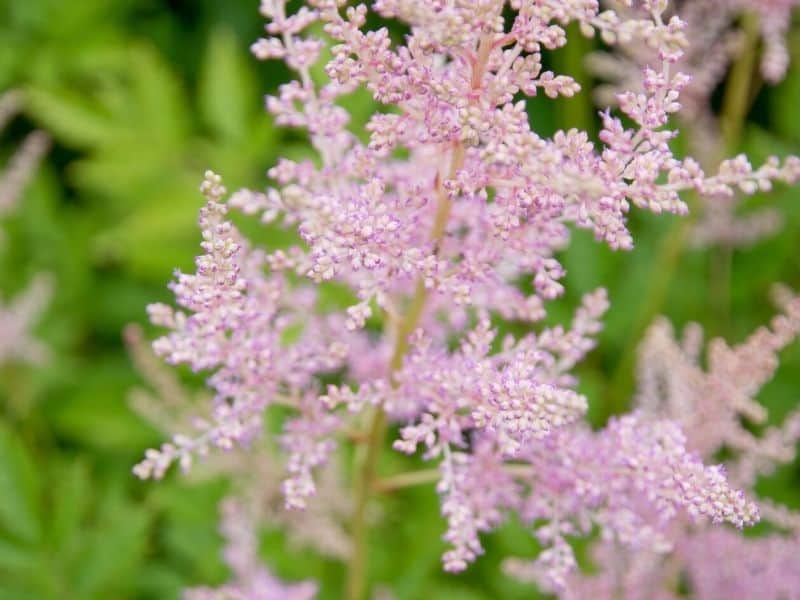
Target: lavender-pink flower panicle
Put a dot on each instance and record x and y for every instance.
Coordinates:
(436, 216)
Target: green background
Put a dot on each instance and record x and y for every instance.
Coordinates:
(140, 97)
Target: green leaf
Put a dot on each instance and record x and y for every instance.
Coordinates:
(17, 562)
(96, 415)
(72, 117)
(228, 98)
(19, 489)
(70, 493)
(158, 104)
(114, 551)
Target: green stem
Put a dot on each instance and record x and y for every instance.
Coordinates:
(366, 466)
(576, 112)
(404, 480)
(368, 453)
(738, 99)
(425, 476)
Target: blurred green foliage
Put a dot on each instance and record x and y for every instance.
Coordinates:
(141, 96)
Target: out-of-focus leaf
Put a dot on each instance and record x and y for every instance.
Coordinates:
(188, 510)
(19, 489)
(127, 172)
(69, 497)
(96, 414)
(113, 550)
(228, 97)
(158, 104)
(172, 216)
(73, 118)
(787, 97)
(17, 562)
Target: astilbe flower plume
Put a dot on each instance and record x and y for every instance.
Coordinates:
(719, 33)
(251, 581)
(256, 477)
(433, 220)
(712, 406)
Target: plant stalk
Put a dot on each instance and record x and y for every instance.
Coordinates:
(367, 454)
(738, 99)
(425, 476)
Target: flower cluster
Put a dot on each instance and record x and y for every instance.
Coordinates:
(16, 320)
(444, 217)
(717, 409)
(712, 406)
(717, 35)
(256, 476)
(251, 580)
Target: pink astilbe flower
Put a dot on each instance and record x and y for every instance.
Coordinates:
(632, 479)
(239, 318)
(520, 393)
(475, 490)
(712, 406)
(24, 161)
(257, 475)
(711, 46)
(714, 42)
(251, 581)
(721, 564)
(434, 222)
(776, 18)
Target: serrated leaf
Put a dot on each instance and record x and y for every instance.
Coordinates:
(124, 173)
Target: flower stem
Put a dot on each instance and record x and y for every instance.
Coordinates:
(367, 454)
(366, 462)
(404, 480)
(736, 104)
(738, 91)
(425, 476)
(577, 112)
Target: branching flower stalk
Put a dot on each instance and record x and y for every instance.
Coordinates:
(738, 97)
(367, 456)
(717, 408)
(432, 223)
